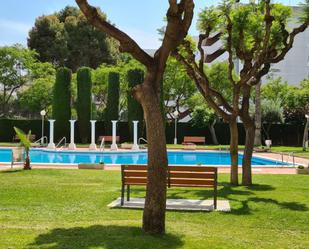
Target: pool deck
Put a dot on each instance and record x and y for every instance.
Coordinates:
(222, 169)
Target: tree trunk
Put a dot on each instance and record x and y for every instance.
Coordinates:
(155, 203)
(234, 151)
(305, 137)
(246, 162)
(258, 116)
(213, 132)
(27, 165)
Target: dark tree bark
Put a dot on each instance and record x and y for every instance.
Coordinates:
(249, 144)
(234, 151)
(179, 18)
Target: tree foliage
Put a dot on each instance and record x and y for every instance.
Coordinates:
(84, 102)
(66, 39)
(177, 87)
(62, 102)
(16, 63)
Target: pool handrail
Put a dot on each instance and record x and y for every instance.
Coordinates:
(102, 145)
(61, 140)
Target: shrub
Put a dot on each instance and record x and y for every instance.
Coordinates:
(135, 110)
(112, 106)
(84, 103)
(62, 102)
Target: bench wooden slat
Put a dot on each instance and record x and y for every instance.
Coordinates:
(192, 168)
(133, 167)
(194, 139)
(109, 138)
(191, 175)
(171, 182)
(135, 180)
(136, 173)
(192, 186)
(194, 182)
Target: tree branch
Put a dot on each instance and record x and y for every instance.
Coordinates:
(127, 44)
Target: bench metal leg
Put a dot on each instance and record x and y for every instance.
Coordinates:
(128, 192)
(122, 194)
(215, 198)
(215, 189)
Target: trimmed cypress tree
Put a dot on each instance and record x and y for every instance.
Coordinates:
(62, 102)
(135, 110)
(84, 103)
(112, 106)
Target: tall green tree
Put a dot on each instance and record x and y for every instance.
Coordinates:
(84, 102)
(15, 65)
(37, 94)
(112, 107)
(135, 110)
(66, 39)
(178, 87)
(62, 102)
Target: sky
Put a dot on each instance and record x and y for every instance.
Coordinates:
(139, 18)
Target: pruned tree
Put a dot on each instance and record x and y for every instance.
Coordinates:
(61, 103)
(112, 106)
(179, 17)
(256, 34)
(84, 102)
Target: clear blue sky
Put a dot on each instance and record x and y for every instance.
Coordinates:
(139, 18)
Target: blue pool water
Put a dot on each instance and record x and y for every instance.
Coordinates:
(174, 157)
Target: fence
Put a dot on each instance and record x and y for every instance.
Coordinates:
(281, 134)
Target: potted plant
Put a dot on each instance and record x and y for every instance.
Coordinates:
(26, 144)
(302, 170)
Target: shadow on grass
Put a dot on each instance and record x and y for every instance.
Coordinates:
(109, 237)
(237, 194)
(11, 171)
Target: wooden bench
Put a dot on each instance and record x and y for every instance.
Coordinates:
(194, 139)
(177, 176)
(31, 138)
(108, 139)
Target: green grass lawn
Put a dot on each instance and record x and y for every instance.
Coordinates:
(68, 209)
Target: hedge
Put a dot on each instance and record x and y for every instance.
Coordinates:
(84, 103)
(62, 102)
(135, 110)
(112, 106)
(281, 134)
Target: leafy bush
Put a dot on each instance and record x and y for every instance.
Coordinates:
(62, 102)
(135, 110)
(84, 106)
(112, 106)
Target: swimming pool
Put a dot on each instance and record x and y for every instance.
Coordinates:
(140, 157)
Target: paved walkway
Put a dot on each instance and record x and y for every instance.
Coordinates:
(176, 204)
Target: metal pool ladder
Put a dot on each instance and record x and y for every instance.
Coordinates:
(102, 145)
(58, 144)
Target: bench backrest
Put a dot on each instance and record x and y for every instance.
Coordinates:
(109, 138)
(178, 176)
(194, 139)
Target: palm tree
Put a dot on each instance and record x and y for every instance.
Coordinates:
(25, 142)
